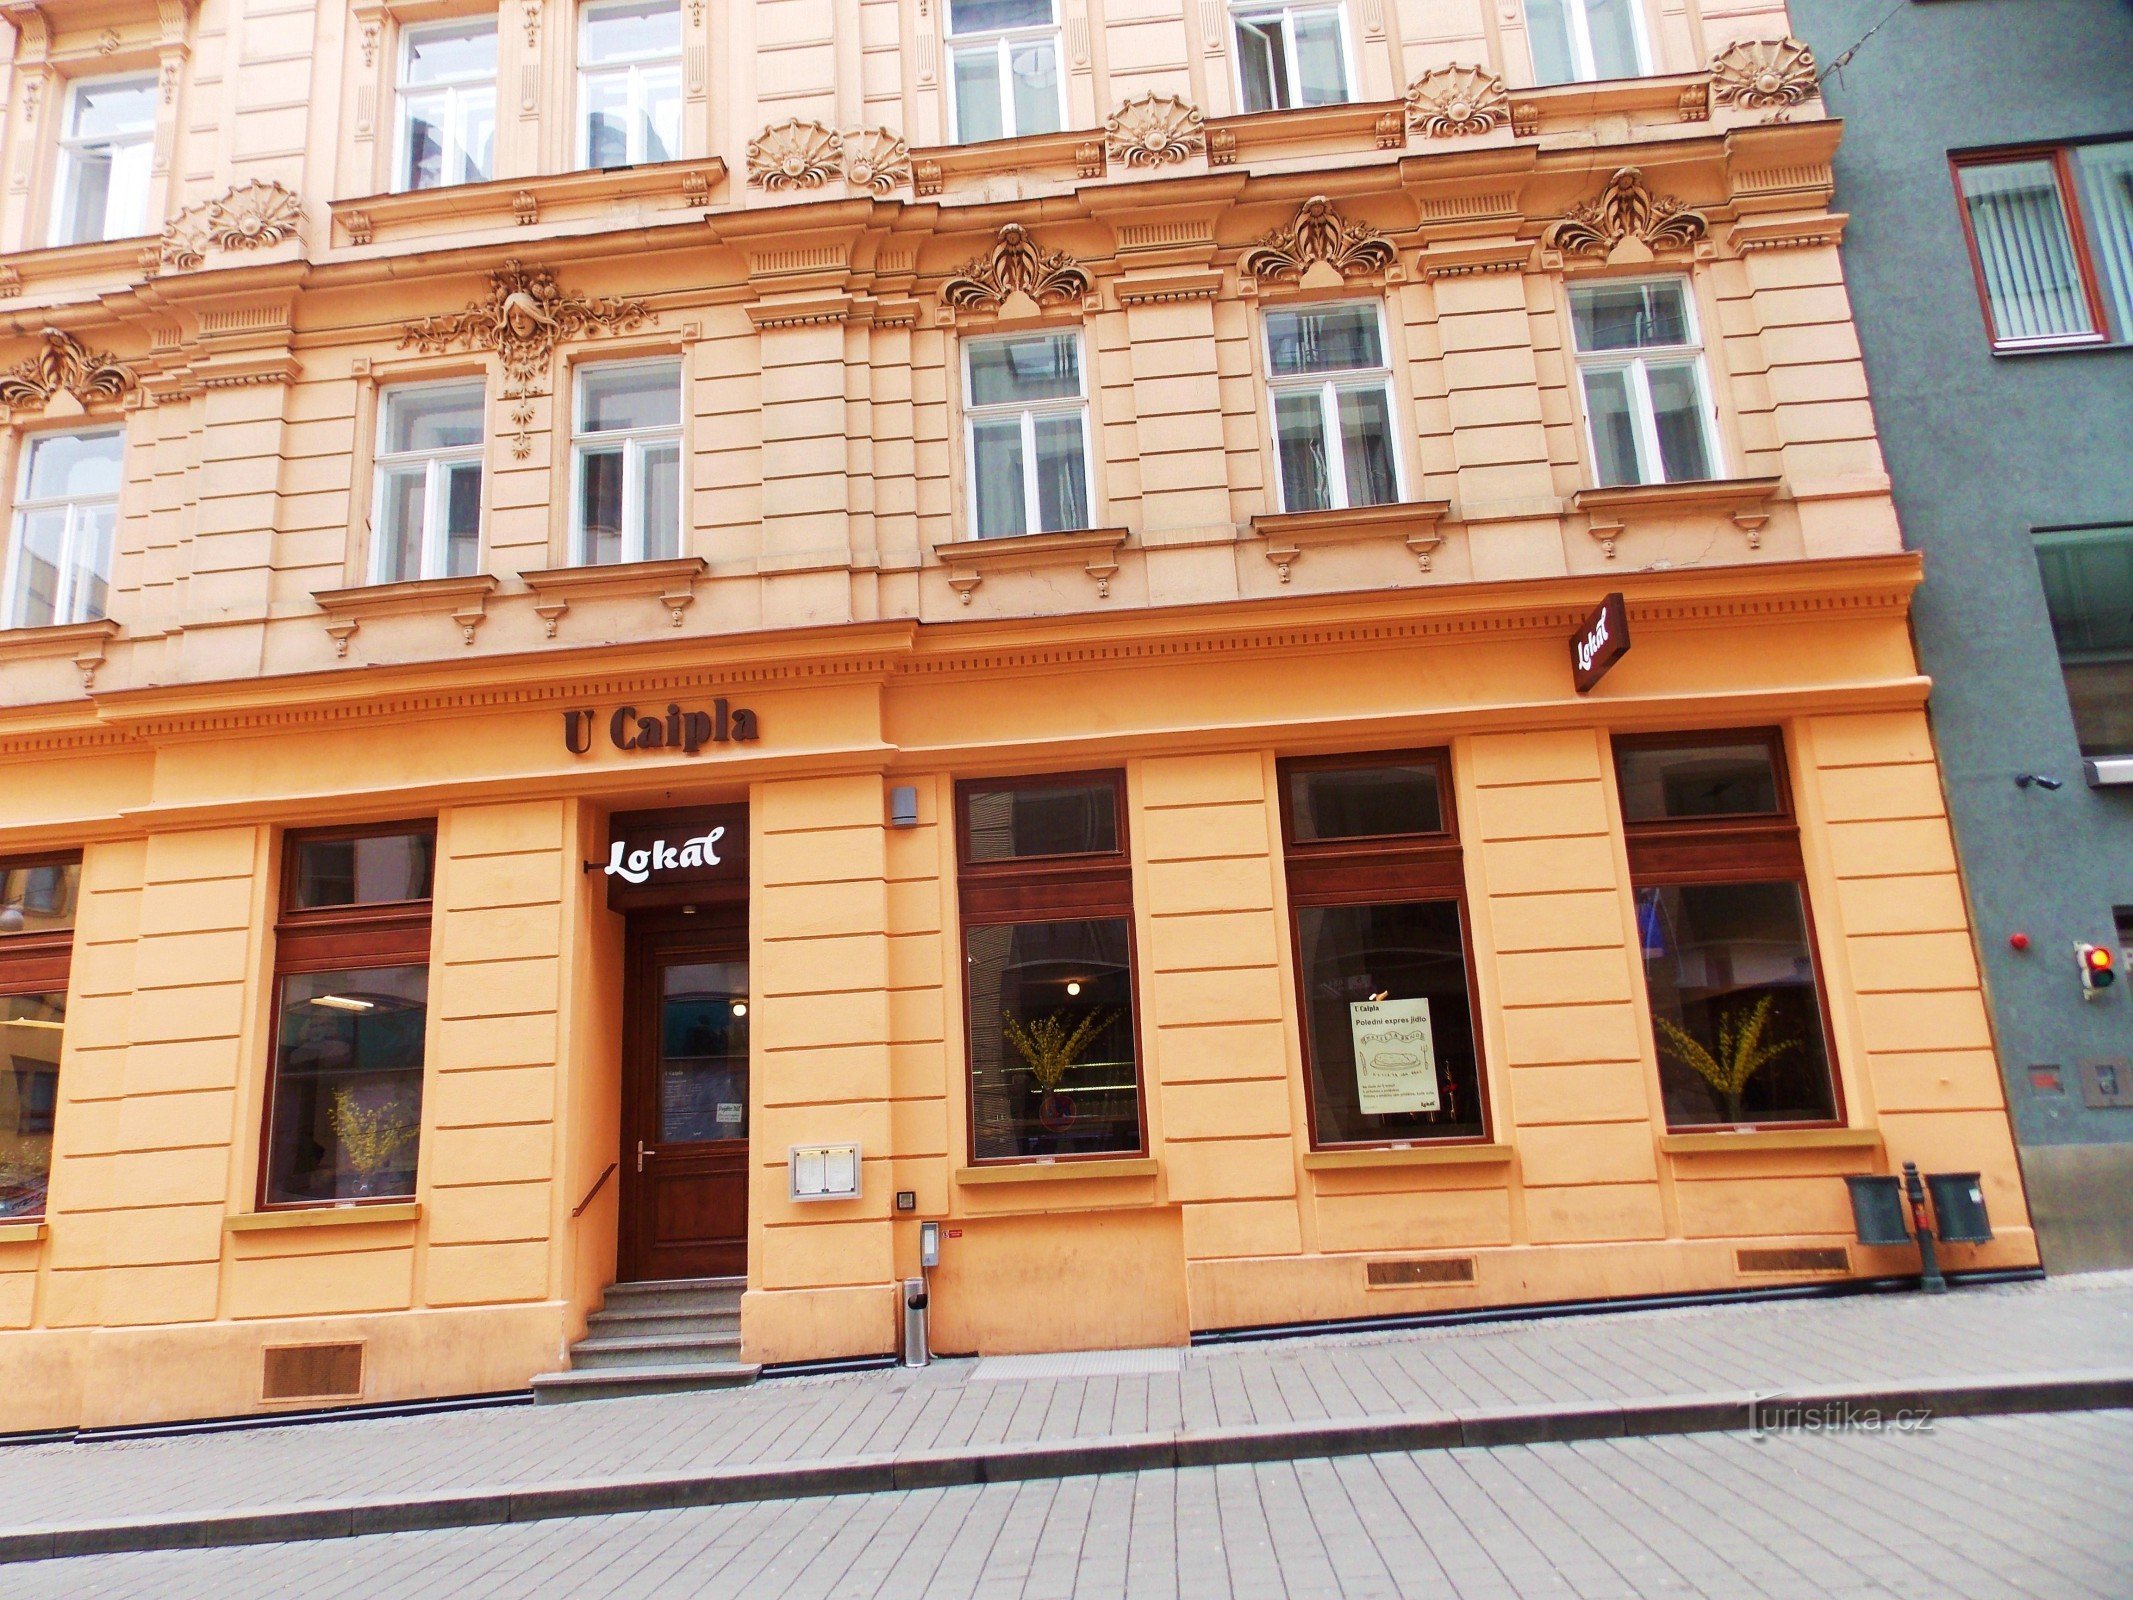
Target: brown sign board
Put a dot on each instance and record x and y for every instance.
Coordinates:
(697, 855)
(1601, 641)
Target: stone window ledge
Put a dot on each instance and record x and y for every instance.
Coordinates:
(29, 272)
(682, 187)
(1077, 152)
(1289, 533)
(24, 1232)
(86, 642)
(324, 1216)
(1746, 501)
(2104, 772)
(1094, 550)
(466, 599)
(1417, 1155)
(1068, 1171)
(672, 583)
(1736, 1141)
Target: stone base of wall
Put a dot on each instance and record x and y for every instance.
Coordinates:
(2081, 1200)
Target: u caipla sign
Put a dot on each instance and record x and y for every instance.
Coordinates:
(1600, 642)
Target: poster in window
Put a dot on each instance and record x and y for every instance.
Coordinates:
(1395, 1057)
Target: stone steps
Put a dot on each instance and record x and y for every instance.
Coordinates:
(656, 1338)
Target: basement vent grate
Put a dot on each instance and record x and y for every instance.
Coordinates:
(313, 1372)
(1407, 1274)
(1831, 1259)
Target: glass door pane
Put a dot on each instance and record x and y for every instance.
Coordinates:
(703, 1052)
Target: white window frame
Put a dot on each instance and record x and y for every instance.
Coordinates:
(1287, 11)
(1003, 43)
(72, 610)
(631, 70)
(452, 89)
(1328, 388)
(634, 442)
(1029, 411)
(1644, 416)
(1582, 65)
(433, 560)
(64, 169)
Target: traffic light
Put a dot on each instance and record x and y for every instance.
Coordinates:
(2098, 969)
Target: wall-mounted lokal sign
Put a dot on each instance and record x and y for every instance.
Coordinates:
(1600, 643)
(686, 731)
(696, 855)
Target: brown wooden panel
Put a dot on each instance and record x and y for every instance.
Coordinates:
(313, 1372)
(1806, 1259)
(1400, 1274)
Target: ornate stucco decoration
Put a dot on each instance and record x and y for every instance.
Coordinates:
(1154, 130)
(524, 316)
(64, 366)
(794, 155)
(1319, 249)
(876, 159)
(1455, 100)
(1760, 73)
(253, 216)
(1626, 222)
(1017, 279)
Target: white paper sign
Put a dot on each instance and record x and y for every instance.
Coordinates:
(731, 1111)
(1395, 1056)
(825, 1171)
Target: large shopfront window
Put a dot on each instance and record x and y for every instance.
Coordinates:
(1738, 1017)
(1047, 903)
(37, 902)
(1383, 968)
(344, 1105)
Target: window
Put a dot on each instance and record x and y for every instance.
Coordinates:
(2051, 237)
(106, 151)
(1047, 902)
(2088, 588)
(1641, 369)
(1003, 62)
(429, 483)
(629, 81)
(1028, 425)
(37, 899)
(1332, 389)
(1580, 41)
(627, 462)
(1291, 56)
(447, 105)
(66, 506)
(352, 950)
(1722, 917)
(1391, 1054)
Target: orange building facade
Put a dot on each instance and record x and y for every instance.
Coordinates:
(619, 614)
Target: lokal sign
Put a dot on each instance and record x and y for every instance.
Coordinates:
(686, 731)
(1600, 643)
(696, 855)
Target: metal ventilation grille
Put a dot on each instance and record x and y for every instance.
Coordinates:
(313, 1372)
(1830, 1259)
(1407, 1274)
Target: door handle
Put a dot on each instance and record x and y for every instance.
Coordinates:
(643, 1154)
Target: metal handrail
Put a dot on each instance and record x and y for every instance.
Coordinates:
(598, 1184)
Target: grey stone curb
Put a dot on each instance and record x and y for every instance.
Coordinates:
(2107, 1389)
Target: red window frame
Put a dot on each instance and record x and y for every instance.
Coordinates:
(39, 963)
(2077, 224)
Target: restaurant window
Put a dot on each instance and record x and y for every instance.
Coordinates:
(2051, 239)
(66, 509)
(626, 459)
(447, 97)
(106, 156)
(429, 482)
(37, 907)
(1377, 898)
(1047, 903)
(1026, 417)
(352, 950)
(629, 83)
(1003, 60)
(1582, 41)
(1640, 366)
(1289, 56)
(1738, 1017)
(2088, 588)
(1331, 383)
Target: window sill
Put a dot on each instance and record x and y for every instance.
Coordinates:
(672, 583)
(1078, 152)
(24, 1232)
(1094, 550)
(551, 199)
(1065, 1171)
(61, 264)
(1289, 533)
(1457, 1155)
(1731, 1143)
(324, 1216)
(85, 642)
(2103, 772)
(348, 609)
(1745, 500)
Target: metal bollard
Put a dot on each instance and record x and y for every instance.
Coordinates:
(917, 1352)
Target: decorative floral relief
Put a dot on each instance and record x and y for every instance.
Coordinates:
(1015, 267)
(1154, 130)
(252, 216)
(1754, 74)
(794, 155)
(876, 159)
(1626, 222)
(1319, 247)
(64, 364)
(1455, 100)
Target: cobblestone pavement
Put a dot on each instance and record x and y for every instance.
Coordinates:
(1986, 1507)
(2062, 1324)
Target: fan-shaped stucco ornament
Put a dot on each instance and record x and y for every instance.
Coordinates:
(1154, 130)
(1319, 248)
(794, 155)
(1017, 278)
(1626, 222)
(876, 159)
(1754, 74)
(253, 216)
(64, 366)
(1456, 100)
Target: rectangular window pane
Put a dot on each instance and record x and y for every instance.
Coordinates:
(1053, 1061)
(1390, 1022)
(369, 869)
(1030, 817)
(1630, 316)
(1330, 339)
(660, 88)
(1000, 489)
(462, 518)
(1300, 444)
(88, 196)
(1614, 433)
(347, 1093)
(1322, 77)
(39, 898)
(1062, 475)
(703, 1052)
(1725, 778)
(997, 16)
(1016, 371)
(600, 505)
(1614, 38)
(1735, 1012)
(1548, 29)
(477, 135)
(1033, 65)
(456, 53)
(104, 110)
(2025, 251)
(40, 547)
(626, 32)
(1262, 63)
(74, 466)
(611, 399)
(607, 136)
(1678, 414)
(662, 501)
(1366, 446)
(425, 142)
(976, 71)
(31, 1029)
(1364, 802)
(2088, 588)
(401, 492)
(2106, 173)
(433, 417)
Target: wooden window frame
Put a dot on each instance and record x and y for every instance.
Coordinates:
(1373, 870)
(2063, 179)
(40, 963)
(1672, 853)
(1063, 888)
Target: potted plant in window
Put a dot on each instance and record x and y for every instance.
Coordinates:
(371, 1136)
(1742, 1052)
(1050, 1047)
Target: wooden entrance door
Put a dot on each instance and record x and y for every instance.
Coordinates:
(685, 1105)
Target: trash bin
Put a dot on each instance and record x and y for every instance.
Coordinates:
(1878, 1213)
(917, 1352)
(1959, 1208)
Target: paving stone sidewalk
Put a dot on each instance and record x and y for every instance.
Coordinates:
(2063, 1325)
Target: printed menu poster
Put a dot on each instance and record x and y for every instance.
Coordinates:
(1395, 1056)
